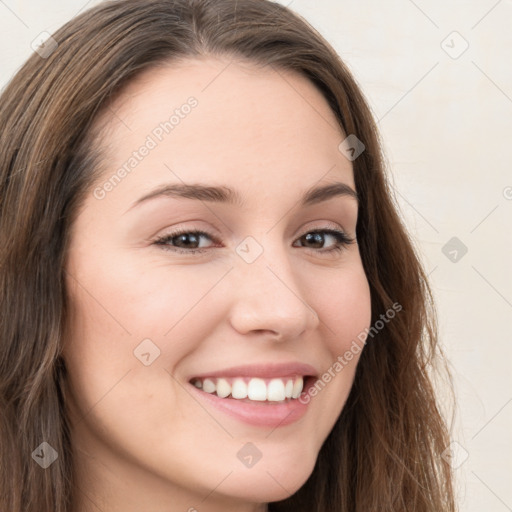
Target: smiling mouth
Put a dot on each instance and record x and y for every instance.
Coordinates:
(255, 389)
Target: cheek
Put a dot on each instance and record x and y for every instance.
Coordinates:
(121, 301)
(118, 315)
(132, 324)
(345, 308)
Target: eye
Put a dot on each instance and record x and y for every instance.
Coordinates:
(318, 237)
(189, 242)
(183, 241)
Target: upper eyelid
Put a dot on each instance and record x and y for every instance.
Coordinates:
(178, 231)
(328, 225)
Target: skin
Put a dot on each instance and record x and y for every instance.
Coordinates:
(141, 441)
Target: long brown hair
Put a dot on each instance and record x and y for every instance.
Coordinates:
(384, 452)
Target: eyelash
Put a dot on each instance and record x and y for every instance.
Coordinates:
(343, 240)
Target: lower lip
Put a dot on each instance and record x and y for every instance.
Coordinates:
(261, 414)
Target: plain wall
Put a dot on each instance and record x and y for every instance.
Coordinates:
(445, 116)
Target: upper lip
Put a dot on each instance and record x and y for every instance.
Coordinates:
(262, 370)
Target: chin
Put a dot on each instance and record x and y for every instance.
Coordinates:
(272, 480)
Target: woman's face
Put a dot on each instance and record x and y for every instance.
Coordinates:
(264, 305)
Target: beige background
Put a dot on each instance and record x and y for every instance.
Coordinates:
(445, 115)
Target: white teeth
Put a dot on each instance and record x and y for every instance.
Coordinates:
(223, 388)
(209, 386)
(275, 390)
(257, 390)
(288, 389)
(239, 389)
(297, 388)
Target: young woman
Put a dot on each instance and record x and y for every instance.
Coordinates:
(208, 301)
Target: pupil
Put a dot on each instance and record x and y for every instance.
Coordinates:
(183, 238)
(316, 238)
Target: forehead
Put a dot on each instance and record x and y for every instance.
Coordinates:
(269, 124)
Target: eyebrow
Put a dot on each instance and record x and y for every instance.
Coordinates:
(224, 194)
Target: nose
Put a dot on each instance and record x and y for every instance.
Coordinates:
(268, 299)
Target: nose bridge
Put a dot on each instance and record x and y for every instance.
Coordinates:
(267, 296)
